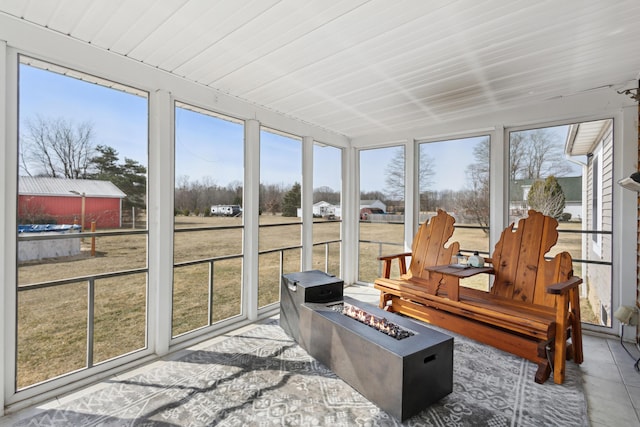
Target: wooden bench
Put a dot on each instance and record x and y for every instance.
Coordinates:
(531, 310)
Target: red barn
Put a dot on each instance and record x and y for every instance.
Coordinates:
(65, 201)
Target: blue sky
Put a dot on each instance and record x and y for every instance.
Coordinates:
(209, 148)
(450, 160)
(206, 147)
(119, 120)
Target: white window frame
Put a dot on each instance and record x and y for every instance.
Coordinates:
(596, 184)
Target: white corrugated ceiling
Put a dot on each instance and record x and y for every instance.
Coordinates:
(362, 67)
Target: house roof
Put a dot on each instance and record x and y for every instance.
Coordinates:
(571, 186)
(583, 136)
(45, 186)
(361, 68)
(370, 202)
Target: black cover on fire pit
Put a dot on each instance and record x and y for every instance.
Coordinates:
(305, 286)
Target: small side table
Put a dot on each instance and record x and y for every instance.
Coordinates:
(453, 290)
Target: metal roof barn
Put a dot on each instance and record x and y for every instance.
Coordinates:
(60, 201)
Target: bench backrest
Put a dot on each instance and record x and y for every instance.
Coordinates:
(428, 248)
(521, 272)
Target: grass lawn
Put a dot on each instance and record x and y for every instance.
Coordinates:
(52, 322)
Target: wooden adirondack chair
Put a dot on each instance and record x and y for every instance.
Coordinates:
(428, 249)
(531, 310)
(524, 276)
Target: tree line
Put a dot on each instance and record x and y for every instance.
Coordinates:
(60, 148)
(197, 196)
(534, 155)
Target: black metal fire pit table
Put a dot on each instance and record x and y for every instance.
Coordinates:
(398, 364)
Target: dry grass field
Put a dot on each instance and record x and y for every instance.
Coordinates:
(52, 321)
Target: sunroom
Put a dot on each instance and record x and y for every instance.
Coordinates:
(253, 139)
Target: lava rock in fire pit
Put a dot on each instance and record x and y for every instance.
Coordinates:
(402, 377)
(379, 323)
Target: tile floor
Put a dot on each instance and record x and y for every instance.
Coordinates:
(611, 383)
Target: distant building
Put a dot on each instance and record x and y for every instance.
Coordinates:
(373, 204)
(325, 209)
(322, 209)
(226, 210)
(571, 187)
(59, 201)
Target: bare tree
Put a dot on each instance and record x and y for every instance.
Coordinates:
(271, 197)
(475, 199)
(517, 155)
(326, 194)
(536, 154)
(395, 174)
(199, 195)
(57, 148)
(182, 200)
(372, 195)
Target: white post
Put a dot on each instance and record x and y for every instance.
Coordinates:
(251, 200)
(411, 193)
(306, 258)
(8, 209)
(350, 205)
(160, 219)
(498, 176)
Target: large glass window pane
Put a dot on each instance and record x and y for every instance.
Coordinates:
(52, 335)
(381, 208)
(453, 175)
(327, 208)
(208, 226)
(119, 319)
(82, 296)
(565, 172)
(279, 237)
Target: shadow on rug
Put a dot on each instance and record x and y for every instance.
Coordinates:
(262, 378)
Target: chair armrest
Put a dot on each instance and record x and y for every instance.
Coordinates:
(394, 256)
(386, 269)
(564, 287)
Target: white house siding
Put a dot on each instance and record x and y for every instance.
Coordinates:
(598, 277)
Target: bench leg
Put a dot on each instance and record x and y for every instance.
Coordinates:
(543, 372)
(385, 300)
(544, 367)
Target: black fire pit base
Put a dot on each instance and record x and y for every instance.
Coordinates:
(402, 377)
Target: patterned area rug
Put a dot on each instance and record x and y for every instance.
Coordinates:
(262, 378)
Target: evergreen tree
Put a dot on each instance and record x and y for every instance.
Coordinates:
(132, 180)
(105, 163)
(292, 201)
(130, 177)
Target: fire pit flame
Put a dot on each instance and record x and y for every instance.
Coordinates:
(379, 323)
